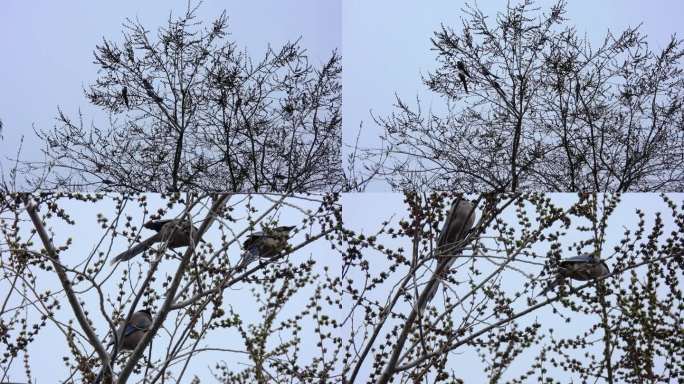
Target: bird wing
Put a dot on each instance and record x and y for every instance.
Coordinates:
(586, 258)
(464, 224)
(445, 227)
(251, 239)
(130, 328)
(140, 325)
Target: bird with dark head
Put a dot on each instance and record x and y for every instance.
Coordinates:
(265, 244)
(175, 233)
(583, 268)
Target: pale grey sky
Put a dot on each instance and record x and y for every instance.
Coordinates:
(47, 48)
(387, 47)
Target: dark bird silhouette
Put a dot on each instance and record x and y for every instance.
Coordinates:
(174, 232)
(462, 74)
(583, 268)
(150, 91)
(457, 225)
(462, 68)
(459, 221)
(463, 81)
(124, 95)
(266, 244)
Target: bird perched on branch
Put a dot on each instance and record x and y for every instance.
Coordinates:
(457, 225)
(129, 335)
(459, 221)
(583, 268)
(124, 95)
(266, 244)
(462, 73)
(462, 68)
(175, 233)
(150, 91)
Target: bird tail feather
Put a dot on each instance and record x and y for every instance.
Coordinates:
(112, 358)
(137, 249)
(433, 285)
(553, 284)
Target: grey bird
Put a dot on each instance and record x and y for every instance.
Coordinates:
(174, 232)
(266, 244)
(459, 222)
(128, 336)
(583, 268)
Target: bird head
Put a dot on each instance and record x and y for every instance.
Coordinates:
(154, 225)
(147, 312)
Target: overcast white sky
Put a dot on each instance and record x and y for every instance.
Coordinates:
(47, 47)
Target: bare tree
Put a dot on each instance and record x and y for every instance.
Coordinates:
(189, 110)
(618, 327)
(530, 105)
(191, 292)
